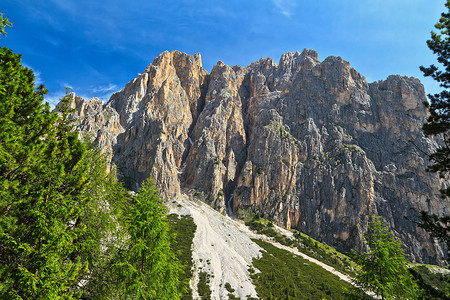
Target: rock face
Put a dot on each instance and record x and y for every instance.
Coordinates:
(308, 144)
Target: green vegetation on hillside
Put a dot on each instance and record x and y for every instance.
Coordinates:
(305, 244)
(433, 284)
(68, 229)
(287, 276)
(183, 229)
(145, 266)
(203, 288)
(383, 268)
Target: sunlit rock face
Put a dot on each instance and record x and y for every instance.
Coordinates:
(308, 144)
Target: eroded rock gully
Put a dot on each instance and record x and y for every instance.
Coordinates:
(308, 144)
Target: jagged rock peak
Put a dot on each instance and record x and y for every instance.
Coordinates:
(308, 144)
(296, 59)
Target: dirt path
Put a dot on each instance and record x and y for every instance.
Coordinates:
(313, 260)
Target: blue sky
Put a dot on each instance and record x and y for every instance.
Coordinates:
(96, 47)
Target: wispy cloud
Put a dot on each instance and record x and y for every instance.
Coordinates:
(37, 78)
(103, 89)
(67, 85)
(285, 7)
(54, 98)
(103, 92)
(37, 74)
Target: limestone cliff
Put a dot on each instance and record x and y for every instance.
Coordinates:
(309, 144)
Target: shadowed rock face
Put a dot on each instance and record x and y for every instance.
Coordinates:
(308, 144)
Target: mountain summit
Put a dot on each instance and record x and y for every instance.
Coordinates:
(310, 145)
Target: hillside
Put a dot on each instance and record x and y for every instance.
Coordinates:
(257, 260)
(229, 255)
(308, 144)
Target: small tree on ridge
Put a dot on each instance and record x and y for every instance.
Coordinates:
(384, 267)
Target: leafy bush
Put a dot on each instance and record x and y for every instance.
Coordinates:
(203, 288)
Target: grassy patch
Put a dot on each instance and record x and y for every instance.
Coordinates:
(324, 253)
(204, 290)
(262, 226)
(287, 276)
(183, 229)
(434, 285)
(305, 244)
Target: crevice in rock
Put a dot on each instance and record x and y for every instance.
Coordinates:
(201, 102)
(188, 143)
(230, 186)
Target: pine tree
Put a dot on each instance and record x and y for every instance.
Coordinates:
(384, 267)
(42, 178)
(4, 22)
(67, 227)
(438, 122)
(104, 234)
(146, 267)
(42, 182)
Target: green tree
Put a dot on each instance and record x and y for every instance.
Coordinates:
(104, 234)
(67, 227)
(438, 122)
(4, 22)
(383, 269)
(146, 267)
(42, 181)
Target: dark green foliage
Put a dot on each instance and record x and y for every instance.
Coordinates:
(43, 178)
(183, 229)
(230, 292)
(261, 226)
(203, 287)
(384, 267)
(287, 276)
(259, 170)
(104, 232)
(229, 288)
(67, 228)
(145, 266)
(433, 285)
(305, 244)
(438, 122)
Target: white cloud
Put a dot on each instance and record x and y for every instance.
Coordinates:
(66, 84)
(37, 74)
(285, 7)
(37, 78)
(54, 98)
(103, 92)
(104, 89)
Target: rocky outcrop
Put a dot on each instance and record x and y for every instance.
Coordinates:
(308, 144)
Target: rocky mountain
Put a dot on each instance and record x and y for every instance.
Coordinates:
(306, 143)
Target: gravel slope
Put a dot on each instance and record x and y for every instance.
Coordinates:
(223, 248)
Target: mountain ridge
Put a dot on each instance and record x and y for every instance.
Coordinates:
(308, 144)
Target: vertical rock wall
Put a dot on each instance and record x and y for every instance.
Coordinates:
(308, 144)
